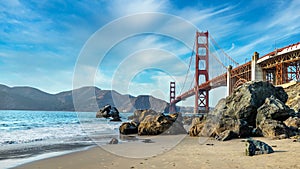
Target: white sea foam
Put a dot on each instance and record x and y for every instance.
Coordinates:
(20, 130)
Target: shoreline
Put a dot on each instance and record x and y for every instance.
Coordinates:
(189, 153)
(12, 163)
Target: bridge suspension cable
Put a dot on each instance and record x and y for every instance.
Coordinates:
(216, 44)
(218, 60)
(213, 55)
(191, 58)
(190, 62)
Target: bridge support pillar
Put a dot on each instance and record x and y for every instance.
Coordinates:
(229, 80)
(201, 96)
(256, 70)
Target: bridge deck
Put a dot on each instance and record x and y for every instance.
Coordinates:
(288, 54)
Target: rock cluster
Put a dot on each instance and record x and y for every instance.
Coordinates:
(139, 115)
(253, 109)
(293, 91)
(128, 128)
(149, 122)
(107, 112)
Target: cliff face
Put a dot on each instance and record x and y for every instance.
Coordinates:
(293, 91)
(27, 98)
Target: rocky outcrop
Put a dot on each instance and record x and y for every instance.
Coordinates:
(107, 112)
(274, 129)
(293, 122)
(128, 128)
(293, 91)
(226, 135)
(255, 147)
(139, 115)
(149, 122)
(161, 124)
(270, 117)
(253, 109)
(274, 109)
(197, 125)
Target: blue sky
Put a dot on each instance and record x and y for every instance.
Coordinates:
(41, 41)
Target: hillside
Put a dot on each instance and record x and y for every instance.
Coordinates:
(86, 99)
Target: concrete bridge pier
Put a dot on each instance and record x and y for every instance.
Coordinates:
(236, 78)
(256, 69)
(229, 81)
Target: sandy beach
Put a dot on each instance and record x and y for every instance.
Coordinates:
(189, 153)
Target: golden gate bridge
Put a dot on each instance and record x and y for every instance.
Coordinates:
(277, 67)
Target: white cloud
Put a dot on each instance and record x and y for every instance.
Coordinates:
(134, 58)
(63, 35)
(123, 8)
(279, 25)
(146, 59)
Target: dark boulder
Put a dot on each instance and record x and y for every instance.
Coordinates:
(116, 119)
(114, 141)
(274, 129)
(255, 147)
(274, 109)
(270, 117)
(128, 128)
(104, 112)
(107, 112)
(226, 135)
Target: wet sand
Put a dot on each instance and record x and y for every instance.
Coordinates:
(189, 153)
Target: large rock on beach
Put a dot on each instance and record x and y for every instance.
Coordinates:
(161, 124)
(139, 115)
(270, 117)
(253, 109)
(274, 129)
(113, 141)
(255, 147)
(246, 99)
(226, 135)
(197, 125)
(274, 109)
(107, 112)
(150, 122)
(128, 128)
(104, 112)
(293, 91)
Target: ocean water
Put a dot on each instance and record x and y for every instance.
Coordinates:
(28, 135)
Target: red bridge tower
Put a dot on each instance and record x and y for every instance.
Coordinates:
(202, 53)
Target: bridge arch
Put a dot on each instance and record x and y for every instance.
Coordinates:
(239, 82)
